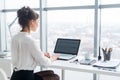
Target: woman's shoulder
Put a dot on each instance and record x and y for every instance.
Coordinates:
(23, 37)
(29, 38)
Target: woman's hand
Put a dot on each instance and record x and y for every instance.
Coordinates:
(54, 57)
(47, 54)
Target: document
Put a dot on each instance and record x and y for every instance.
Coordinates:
(107, 64)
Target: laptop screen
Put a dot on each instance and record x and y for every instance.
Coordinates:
(67, 46)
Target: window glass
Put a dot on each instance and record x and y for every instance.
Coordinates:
(110, 1)
(13, 29)
(58, 3)
(16, 4)
(110, 30)
(78, 24)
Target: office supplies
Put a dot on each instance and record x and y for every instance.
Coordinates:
(107, 53)
(87, 62)
(107, 64)
(67, 48)
(99, 56)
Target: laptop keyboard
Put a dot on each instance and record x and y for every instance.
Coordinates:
(66, 56)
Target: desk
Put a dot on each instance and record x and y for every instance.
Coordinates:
(66, 65)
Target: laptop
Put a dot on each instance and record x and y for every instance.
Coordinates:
(67, 48)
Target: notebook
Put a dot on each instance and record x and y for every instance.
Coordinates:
(107, 64)
(67, 48)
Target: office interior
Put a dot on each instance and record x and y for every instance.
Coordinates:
(95, 22)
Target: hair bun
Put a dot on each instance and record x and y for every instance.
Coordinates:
(23, 12)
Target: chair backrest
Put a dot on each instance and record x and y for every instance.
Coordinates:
(3, 75)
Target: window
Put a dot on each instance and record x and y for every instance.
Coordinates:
(110, 26)
(77, 24)
(110, 1)
(59, 3)
(16, 4)
(11, 30)
(72, 23)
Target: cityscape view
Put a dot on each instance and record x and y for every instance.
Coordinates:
(78, 24)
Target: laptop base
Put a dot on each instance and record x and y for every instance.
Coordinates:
(66, 59)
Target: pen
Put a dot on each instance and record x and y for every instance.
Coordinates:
(99, 56)
(109, 50)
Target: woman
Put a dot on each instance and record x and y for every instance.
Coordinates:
(26, 55)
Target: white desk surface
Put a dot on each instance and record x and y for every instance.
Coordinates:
(66, 65)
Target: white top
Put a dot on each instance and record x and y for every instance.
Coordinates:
(26, 55)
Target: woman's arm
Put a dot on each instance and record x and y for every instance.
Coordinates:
(40, 57)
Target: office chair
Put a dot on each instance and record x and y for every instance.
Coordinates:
(3, 75)
(48, 75)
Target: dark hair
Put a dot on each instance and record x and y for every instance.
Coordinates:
(25, 14)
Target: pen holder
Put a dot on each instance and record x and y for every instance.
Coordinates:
(107, 54)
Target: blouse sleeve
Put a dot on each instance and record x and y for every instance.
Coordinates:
(38, 55)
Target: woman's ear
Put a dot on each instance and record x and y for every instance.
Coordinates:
(31, 23)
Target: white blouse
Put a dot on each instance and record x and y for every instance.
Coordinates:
(26, 55)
